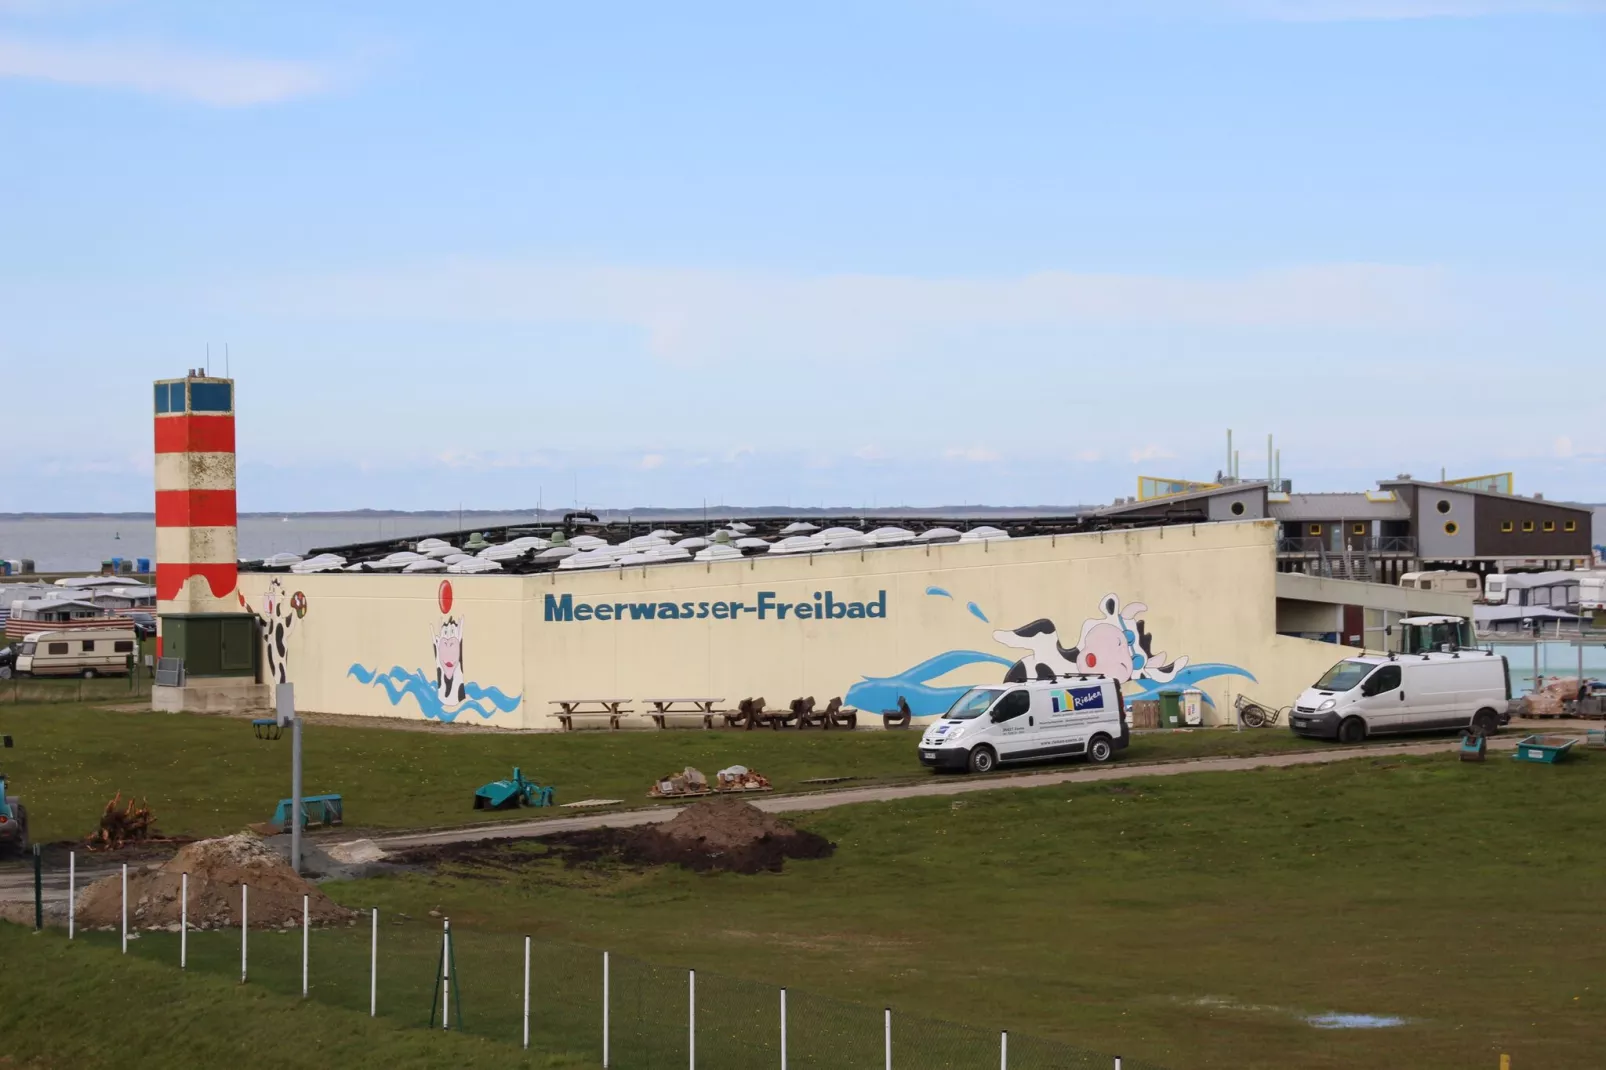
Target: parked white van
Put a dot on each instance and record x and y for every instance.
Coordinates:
(1028, 722)
(1393, 694)
(84, 652)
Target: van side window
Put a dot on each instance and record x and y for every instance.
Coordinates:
(1011, 706)
(89, 644)
(1384, 680)
(55, 648)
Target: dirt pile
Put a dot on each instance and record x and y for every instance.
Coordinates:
(723, 834)
(217, 868)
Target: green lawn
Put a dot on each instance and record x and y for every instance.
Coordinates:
(208, 775)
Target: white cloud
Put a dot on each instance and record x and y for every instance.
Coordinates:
(870, 452)
(217, 79)
(974, 454)
(1562, 447)
(1090, 456)
(691, 317)
(1151, 452)
(652, 460)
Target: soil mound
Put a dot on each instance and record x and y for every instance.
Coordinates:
(217, 868)
(724, 834)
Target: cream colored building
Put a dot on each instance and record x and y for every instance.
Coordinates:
(1193, 605)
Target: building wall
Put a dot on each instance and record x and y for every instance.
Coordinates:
(1251, 505)
(1160, 607)
(1446, 535)
(1495, 513)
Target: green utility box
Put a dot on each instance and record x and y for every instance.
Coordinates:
(1171, 709)
(212, 644)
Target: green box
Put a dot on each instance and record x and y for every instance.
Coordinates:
(1171, 709)
(213, 644)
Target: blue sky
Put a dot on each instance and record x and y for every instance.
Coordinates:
(869, 253)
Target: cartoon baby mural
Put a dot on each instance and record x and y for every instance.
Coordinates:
(1117, 645)
(279, 615)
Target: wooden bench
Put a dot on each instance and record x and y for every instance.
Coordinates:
(665, 708)
(839, 716)
(570, 708)
(803, 709)
(901, 717)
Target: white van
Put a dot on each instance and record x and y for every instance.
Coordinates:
(86, 652)
(1394, 694)
(1028, 722)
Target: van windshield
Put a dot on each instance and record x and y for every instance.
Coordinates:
(973, 703)
(1343, 676)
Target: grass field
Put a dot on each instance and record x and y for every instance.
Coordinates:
(208, 775)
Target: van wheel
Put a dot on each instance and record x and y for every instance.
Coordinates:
(1100, 750)
(89, 674)
(1352, 730)
(1486, 721)
(982, 759)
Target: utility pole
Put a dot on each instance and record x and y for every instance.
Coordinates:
(284, 708)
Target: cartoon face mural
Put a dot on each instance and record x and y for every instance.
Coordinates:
(278, 616)
(1117, 645)
(451, 692)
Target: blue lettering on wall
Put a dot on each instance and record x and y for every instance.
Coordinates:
(826, 606)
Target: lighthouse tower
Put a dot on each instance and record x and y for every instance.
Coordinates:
(196, 518)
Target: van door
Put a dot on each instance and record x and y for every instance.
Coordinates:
(1434, 698)
(1381, 704)
(1013, 726)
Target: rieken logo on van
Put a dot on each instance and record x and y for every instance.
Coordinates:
(825, 606)
(1076, 699)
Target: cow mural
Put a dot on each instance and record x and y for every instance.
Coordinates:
(278, 617)
(450, 692)
(1115, 643)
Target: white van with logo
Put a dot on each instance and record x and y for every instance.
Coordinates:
(988, 726)
(1393, 694)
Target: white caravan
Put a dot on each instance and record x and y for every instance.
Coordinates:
(1074, 715)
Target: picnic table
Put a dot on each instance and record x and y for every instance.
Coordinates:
(662, 708)
(570, 708)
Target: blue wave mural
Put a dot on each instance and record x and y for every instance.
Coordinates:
(1184, 679)
(398, 682)
(876, 693)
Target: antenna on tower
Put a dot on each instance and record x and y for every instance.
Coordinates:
(208, 367)
(226, 372)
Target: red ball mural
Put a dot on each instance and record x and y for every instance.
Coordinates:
(446, 596)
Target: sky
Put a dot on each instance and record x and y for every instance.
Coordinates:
(865, 253)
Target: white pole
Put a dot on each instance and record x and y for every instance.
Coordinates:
(125, 908)
(691, 1018)
(1117, 1062)
(889, 1038)
(446, 975)
(373, 970)
(72, 883)
(526, 993)
(306, 940)
(244, 904)
(783, 1029)
(184, 921)
(604, 1010)
(1003, 1050)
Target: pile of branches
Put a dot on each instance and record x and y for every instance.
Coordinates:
(122, 823)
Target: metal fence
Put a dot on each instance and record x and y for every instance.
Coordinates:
(17, 689)
(595, 1007)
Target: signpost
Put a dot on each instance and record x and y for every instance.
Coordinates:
(284, 715)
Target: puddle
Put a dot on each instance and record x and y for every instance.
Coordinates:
(1353, 1021)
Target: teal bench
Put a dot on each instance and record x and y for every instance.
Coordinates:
(329, 808)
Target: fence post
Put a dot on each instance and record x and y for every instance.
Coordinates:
(446, 974)
(1003, 1050)
(244, 916)
(373, 970)
(125, 908)
(526, 993)
(783, 1029)
(306, 940)
(1117, 1062)
(889, 1037)
(691, 1018)
(1505, 1062)
(72, 890)
(604, 1010)
(184, 921)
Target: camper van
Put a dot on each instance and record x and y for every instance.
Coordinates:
(85, 652)
(1441, 580)
(1394, 694)
(1003, 723)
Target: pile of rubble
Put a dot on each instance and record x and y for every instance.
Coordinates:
(723, 834)
(692, 782)
(123, 823)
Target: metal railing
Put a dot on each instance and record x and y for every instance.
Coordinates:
(1371, 544)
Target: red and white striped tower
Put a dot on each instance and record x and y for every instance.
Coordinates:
(196, 515)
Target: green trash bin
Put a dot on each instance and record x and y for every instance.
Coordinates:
(1171, 709)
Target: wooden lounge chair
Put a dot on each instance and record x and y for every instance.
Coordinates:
(840, 716)
(749, 714)
(803, 709)
(898, 718)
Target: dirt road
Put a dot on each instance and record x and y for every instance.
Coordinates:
(938, 786)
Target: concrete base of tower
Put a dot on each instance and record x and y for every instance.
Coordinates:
(224, 694)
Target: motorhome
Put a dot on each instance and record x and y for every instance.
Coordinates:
(1004, 723)
(1393, 694)
(1443, 580)
(80, 652)
(1556, 589)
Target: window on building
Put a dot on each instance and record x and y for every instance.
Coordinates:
(1527, 525)
(1571, 525)
(1358, 529)
(1443, 506)
(1550, 525)
(211, 397)
(1506, 525)
(1451, 527)
(1316, 530)
(89, 645)
(1237, 508)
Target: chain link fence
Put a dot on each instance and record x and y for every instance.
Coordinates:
(578, 1006)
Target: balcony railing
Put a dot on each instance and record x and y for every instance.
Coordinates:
(1371, 544)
